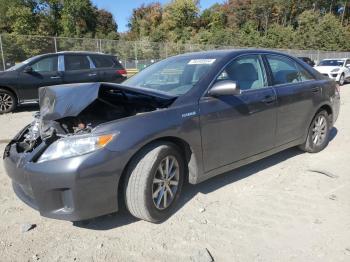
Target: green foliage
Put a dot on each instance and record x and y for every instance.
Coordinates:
(78, 18)
(24, 22)
(106, 27)
(71, 18)
(302, 24)
(306, 24)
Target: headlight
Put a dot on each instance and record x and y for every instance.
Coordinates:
(335, 70)
(74, 146)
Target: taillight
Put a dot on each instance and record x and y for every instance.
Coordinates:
(122, 72)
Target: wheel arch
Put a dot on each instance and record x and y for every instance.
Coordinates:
(191, 159)
(9, 89)
(327, 108)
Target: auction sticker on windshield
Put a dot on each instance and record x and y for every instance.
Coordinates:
(201, 61)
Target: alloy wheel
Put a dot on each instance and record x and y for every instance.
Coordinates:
(319, 131)
(6, 102)
(165, 182)
(342, 80)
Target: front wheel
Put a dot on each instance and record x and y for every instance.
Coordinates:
(8, 101)
(318, 135)
(154, 182)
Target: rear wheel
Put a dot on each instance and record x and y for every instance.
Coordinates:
(8, 101)
(342, 79)
(318, 135)
(154, 182)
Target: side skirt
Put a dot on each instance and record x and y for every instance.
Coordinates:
(246, 161)
(27, 102)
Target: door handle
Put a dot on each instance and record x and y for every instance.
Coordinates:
(315, 90)
(55, 77)
(93, 74)
(269, 99)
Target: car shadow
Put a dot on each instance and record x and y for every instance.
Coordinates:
(27, 108)
(333, 133)
(123, 218)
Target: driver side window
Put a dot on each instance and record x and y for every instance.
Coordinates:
(48, 64)
(247, 71)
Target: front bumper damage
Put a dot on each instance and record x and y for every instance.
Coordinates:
(71, 189)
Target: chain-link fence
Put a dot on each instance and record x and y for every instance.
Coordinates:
(133, 55)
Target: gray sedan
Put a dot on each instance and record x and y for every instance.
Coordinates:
(186, 118)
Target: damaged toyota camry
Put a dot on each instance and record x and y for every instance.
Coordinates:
(94, 146)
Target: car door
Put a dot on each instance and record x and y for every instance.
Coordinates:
(41, 72)
(236, 127)
(109, 69)
(297, 93)
(79, 69)
(347, 69)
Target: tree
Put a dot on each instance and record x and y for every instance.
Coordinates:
(179, 19)
(106, 25)
(23, 20)
(145, 22)
(78, 18)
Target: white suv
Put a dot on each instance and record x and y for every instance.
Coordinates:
(337, 69)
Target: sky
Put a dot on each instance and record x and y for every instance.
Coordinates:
(122, 9)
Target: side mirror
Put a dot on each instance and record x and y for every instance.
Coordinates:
(28, 69)
(225, 88)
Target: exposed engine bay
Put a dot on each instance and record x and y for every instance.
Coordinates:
(69, 110)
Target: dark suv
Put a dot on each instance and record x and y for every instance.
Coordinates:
(19, 84)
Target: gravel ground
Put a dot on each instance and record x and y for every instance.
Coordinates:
(273, 210)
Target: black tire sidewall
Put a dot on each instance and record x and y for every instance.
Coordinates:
(342, 76)
(3, 91)
(156, 214)
(310, 145)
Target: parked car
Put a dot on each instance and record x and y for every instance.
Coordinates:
(307, 60)
(189, 117)
(20, 83)
(337, 69)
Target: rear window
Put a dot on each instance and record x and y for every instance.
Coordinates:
(76, 62)
(106, 62)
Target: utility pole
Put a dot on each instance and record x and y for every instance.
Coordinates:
(343, 16)
(2, 54)
(55, 43)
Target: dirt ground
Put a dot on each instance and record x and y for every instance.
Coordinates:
(273, 210)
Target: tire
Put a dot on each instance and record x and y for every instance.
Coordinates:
(320, 129)
(145, 185)
(342, 79)
(8, 101)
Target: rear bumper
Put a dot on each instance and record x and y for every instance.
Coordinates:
(69, 189)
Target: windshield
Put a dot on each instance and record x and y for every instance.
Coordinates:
(15, 67)
(174, 76)
(332, 63)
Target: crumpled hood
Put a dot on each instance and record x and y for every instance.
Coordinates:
(57, 102)
(326, 69)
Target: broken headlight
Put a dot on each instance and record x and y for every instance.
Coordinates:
(74, 146)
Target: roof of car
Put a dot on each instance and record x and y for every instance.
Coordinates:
(81, 52)
(72, 52)
(335, 59)
(225, 52)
